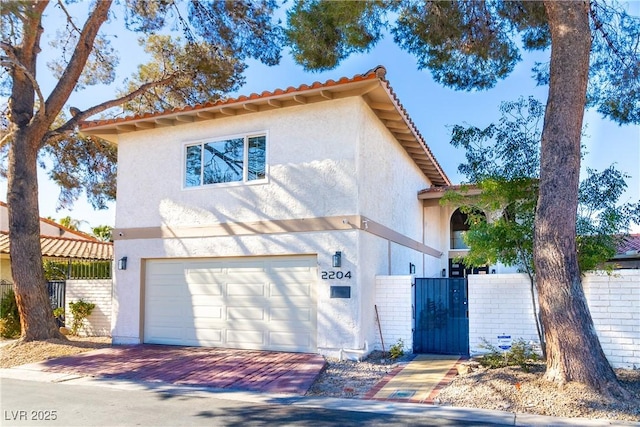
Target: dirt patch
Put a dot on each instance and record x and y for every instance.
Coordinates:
(505, 389)
(16, 353)
(513, 390)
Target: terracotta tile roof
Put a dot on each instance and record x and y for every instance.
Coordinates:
(437, 192)
(77, 233)
(372, 86)
(630, 246)
(61, 247)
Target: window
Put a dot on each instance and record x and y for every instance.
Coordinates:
(240, 159)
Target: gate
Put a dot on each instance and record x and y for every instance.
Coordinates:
(441, 316)
(56, 290)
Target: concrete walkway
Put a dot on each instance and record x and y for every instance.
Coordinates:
(419, 381)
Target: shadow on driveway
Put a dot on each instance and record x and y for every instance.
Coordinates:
(249, 370)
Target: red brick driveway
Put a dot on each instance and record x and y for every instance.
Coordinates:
(261, 371)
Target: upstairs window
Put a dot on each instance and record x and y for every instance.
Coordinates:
(240, 159)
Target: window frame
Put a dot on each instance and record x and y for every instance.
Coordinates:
(245, 160)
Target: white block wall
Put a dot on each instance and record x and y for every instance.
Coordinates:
(93, 291)
(394, 300)
(614, 302)
(501, 304)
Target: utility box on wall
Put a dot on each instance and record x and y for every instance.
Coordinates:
(340, 292)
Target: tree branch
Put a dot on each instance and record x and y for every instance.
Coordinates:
(71, 124)
(69, 78)
(6, 61)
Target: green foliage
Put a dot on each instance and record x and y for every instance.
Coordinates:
(218, 38)
(323, 33)
(55, 270)
(520, 354)
(82, 164)
(80, 310)
(504, 161)
(58, 312)
(397, 350)
(471, 45)
(9, 316)
(102, 232)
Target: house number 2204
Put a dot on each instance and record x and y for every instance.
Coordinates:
(330, 275)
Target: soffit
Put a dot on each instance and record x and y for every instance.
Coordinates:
(371, 86)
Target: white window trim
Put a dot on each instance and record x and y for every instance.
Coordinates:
(245, 158)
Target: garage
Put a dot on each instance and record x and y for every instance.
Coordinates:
(260, 303)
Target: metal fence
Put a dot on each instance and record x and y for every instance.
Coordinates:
(55, 290)
(59, 269)
(5, 287)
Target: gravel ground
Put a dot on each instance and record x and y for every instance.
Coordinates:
(12, 354)
(506, 389)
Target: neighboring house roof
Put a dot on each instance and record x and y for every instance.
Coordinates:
(46, 227)
(629, 247)
(438, 192)
(61, 247)
(371, 86)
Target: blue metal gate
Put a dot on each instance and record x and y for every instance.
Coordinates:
(441, 316)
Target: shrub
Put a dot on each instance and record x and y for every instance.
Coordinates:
(397, 350)
(520, 354)
(80, 310)
(9, 316)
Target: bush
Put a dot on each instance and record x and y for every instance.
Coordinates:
(80, 310)
(520, 354)
(397, 350)
(9, 316)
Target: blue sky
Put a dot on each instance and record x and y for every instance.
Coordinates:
(432, 107)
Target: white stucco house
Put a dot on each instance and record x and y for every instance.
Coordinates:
(264, 221)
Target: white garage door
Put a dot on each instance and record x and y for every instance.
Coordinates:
(266, 303)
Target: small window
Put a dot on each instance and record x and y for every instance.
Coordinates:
(240, 159)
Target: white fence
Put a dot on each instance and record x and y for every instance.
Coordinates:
(98, 292)
(500, 304)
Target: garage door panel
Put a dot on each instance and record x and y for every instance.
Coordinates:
(245, 337)
(290, 290)
(245, 313)
(164, 268)
(166, 291)
(205, 289)
(168, 332)
(246, 289)
(251, 303)
(200, 312)
(288, 315)
(244, 267)
(168, 279)
(289, 339)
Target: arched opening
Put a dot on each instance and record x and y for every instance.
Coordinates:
(457, 227)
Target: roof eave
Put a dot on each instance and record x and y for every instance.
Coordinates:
(372, 87)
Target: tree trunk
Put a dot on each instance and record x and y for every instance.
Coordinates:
(36, 316)
(574, 352)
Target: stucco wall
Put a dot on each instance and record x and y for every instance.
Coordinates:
(324, 159)
(97, 292)
(388, 182)
(310, 159)
(5, 268)
(501, 304)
